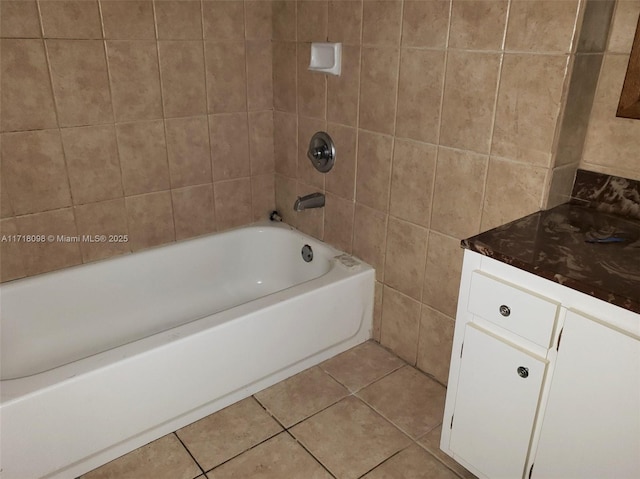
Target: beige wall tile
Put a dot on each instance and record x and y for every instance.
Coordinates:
(229, 146)
(221, 436)
(377, 310)
(420, 94)
(259, 75)
(562, 179)
(11, 263)
(469, 97)
(369, 237)
(307, 127)
(233, 203)
(286, 193)
(284, 20)
(541, 25)
(34, 171)
(183, 78)
(373, 172)
(130, 20)
(188, 151)
(285, 143)
(381, 22)
(425, 23)
(522, 184)
(434, 345)
(261, 149)
(378, 87)
(478, 25)
(405, 257)
(585, 70)
(611, 142)
(5, 203)
(92, 161)
(19, 19)
(284, 77)
(51, 255)
(529, 101)
(343, 90)
(27, 98)
(442, 273)
(193, 212)
(459, 189)
(135, 80)
(623, 27)
(143, 157)
(258, 19)
(338, 222)
(150, 220)
(107, 218)
(414, 167)
(596, 23)
(341, 179)
(223, 21)
(263, 196)
(179, 20)
(345, 18)
(312, 87)
(163, 457)
(312, 20)
(71, 19)
(226, 77)
(400, 324)
(286, 152)
(80, 82)
(310, 221)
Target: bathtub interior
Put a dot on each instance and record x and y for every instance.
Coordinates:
(142, 294)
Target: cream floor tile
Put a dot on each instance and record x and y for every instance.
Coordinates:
(412, 463)
(227, 433)
(302, 395)
(164, 458)
(349, 438)
(431, 442)
(362, 365)
(280, 457)
(409, 399)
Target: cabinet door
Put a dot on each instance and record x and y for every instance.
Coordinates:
(591, 426)
(498, 392)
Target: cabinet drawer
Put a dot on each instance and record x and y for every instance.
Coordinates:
(513, 308)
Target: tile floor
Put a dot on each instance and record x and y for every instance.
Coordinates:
(362, 414)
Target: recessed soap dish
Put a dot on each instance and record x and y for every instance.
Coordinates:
(326, 58)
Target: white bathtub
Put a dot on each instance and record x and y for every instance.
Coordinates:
(100, 359)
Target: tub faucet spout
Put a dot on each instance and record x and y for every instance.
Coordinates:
(314, 200)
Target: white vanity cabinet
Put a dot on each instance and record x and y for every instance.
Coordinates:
(537, 389)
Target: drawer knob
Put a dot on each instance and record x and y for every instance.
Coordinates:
(523, 372)
(505, 310)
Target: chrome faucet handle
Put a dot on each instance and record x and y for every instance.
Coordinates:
(322, 152)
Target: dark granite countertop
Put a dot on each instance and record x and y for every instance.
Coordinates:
(562, 245)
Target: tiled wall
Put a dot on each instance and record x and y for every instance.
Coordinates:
(613, 144)
(147, 118)
(445, 119)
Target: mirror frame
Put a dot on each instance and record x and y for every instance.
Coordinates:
(629, 105)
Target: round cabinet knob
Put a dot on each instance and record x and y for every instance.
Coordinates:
(523, 372)
(505, 310)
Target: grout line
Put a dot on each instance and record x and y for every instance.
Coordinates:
(175, 433)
